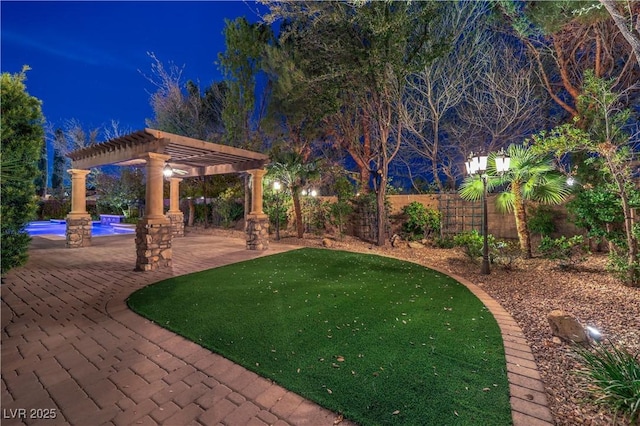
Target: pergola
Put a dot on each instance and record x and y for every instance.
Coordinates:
(155, 150)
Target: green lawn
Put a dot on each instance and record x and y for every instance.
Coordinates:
(380, 340)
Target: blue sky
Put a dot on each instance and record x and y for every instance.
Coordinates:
(86, 57)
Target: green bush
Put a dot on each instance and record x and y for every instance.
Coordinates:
(472, 243)
(613, 375)
(53, 209)
(445, 242)
(541, 220)
(340, 212)
(569, 251)
(422, 222)
(21, 142)
(620, 267)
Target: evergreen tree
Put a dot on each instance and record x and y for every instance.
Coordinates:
(21, 143)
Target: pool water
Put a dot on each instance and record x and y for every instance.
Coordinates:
(59, 229)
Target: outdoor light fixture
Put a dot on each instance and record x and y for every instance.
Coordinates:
(502, 162)
(313, 193)
(167, 171)
(477, 166)
(571, 181)
(594, 333)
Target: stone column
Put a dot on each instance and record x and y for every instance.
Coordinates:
(153, 232)
(175, 215)
(78, 220)
(257, 221)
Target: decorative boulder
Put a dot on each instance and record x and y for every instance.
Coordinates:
(566, 327)
(396, 240)
(415, 245)
(326, 242)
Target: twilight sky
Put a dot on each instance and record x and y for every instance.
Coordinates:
(86, 57)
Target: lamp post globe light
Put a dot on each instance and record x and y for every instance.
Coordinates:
(477, 166)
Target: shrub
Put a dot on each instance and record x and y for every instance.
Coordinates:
(340, 212)
(422, 222)
(505, 253)
(472, 243)
(620, 266)
(541, 220)
(21, 142)
(445, 242)
(613, 375)
(569, 251)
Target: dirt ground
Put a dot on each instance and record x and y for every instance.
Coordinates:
(529, 290)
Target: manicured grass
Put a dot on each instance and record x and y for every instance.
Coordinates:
(380, 340)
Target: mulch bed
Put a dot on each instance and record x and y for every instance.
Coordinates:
(529, 290)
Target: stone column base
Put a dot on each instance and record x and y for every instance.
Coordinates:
(257, 232)
(78, 231)
(177, 223)
(153, 244)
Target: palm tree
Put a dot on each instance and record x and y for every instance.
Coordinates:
(290, 168)
(531, 177)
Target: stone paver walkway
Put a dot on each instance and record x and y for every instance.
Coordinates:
(72, 350)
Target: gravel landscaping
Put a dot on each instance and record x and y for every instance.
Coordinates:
(529, 291)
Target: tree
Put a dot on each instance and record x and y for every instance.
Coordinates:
(438, 90)
(182, 108)
(531, 177)
(43, 173)
(367, 57)
(21, 144)
(57, 178)
(566, 39)
(241, 64)
(618, 11)
(603, 132)
(118, 193)
(294, 172)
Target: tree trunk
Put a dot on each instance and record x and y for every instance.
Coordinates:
(623, 26)
(381, 211)
(192, 212)
(633, 273)
(298, 211)
(521, 220)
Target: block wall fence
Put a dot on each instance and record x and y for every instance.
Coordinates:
(501, 225)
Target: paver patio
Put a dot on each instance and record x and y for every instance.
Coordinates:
(72, 349)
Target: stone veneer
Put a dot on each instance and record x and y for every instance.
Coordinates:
(258, 232)
(153, 244)
(177, 224)
(79, 232)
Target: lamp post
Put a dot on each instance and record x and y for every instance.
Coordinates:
(477, 165)
(276, 188)
(309, 204)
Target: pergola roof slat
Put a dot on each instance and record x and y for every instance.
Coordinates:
(193, 155)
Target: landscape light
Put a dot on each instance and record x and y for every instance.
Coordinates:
(571, 181)
(594, 333)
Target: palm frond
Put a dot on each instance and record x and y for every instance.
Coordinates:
(472, 188)
(505, 202)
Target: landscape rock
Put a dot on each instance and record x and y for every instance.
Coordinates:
(415, 245)
(327, 242)
(396, 240)
(566, 327)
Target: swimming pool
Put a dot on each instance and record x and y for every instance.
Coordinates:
(59, 228)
